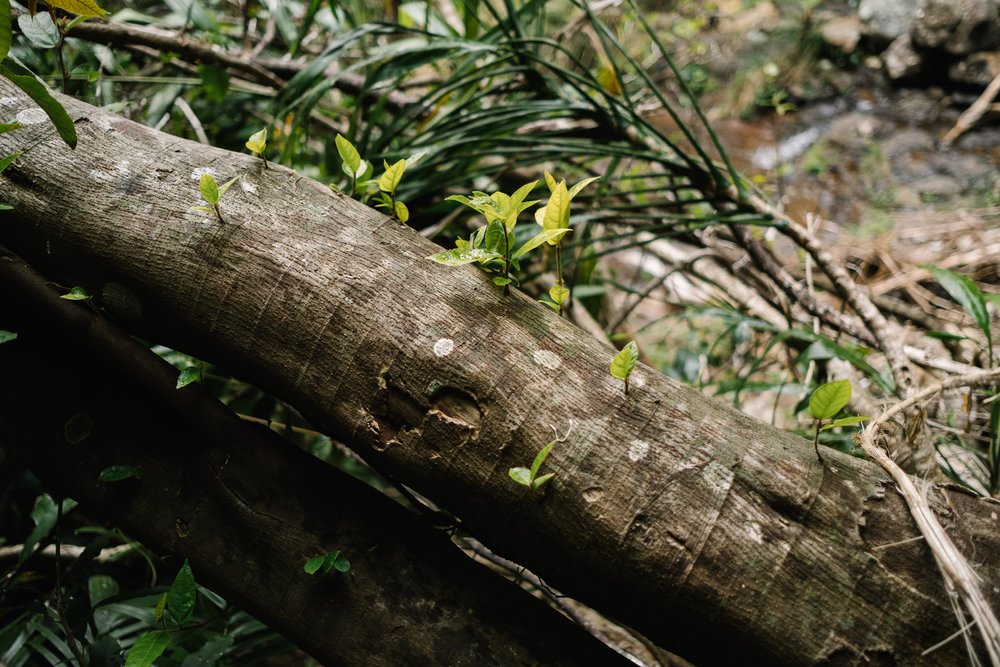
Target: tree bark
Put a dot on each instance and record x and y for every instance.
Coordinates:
(248, 510)
(717, 536)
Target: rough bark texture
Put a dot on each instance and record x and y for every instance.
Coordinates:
(716, 535)
(247, 510)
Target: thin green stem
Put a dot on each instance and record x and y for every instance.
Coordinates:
(559, 276)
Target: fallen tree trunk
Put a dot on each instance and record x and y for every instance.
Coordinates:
(717, 536)
(248, 510)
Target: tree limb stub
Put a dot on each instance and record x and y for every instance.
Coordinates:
(668, 511)
(248, 510)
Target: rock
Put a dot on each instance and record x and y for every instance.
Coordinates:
(937, 186)
(957, 26)
(977, 69)
(916, 107)
(885, 20)
(901, 60)
(905, 141)
(842, 32)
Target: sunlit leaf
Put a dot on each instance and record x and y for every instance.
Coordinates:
(625, 361)
(225, 186)
(608, 80)
(539, 482)
(402, 213)
(546, 236)
(40, 94)
(389, 181)
(39, 29)
(209, 188)
(540, 458)
(148, 648)
(830, 398)
(521, 476)
(182, 594)
(558, 294)
(846, 421)
(257, 142)
(188, 375)
(460, 256)
(76, 294)
(349, 154)
(81, 7)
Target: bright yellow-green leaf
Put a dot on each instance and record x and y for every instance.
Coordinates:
(540, 458)
(209, 188)
(402, 213)
(558, 294)
(520, 475)
(625, 361)
(76, 294)
(575, 190)
(609, 80)
(556, 211)
(258, 142)
(160, 607)
(389, 181)
(225, 186)
(550, 181)
(81, 7)
(545, 236)
(349, 154)
(830, 398)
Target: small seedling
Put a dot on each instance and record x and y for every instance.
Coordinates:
(625, 362)
(529, 477)
(351, 163)
(257, 143)
(76, 294)
(555, 215)
(825, 403)
(491, 246)
(387, 184)
(323, 564)
(212, 192)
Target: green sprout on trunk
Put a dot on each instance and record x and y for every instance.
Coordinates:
(625, 362)
(212, 193)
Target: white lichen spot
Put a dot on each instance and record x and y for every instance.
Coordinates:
(443, 347)
(99, 176)
(637, 380)
(198, 171)
(638, 450)
(248, 187)
(754, 532)
(547, 359)
(31, 116)
(593, 494)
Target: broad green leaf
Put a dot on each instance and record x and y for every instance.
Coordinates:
(341, 564)
(161, 606)
(182, 594)
(7, 336)
(546, 236)
(830, 398)
(500, 281)
(81, 7)
(148, 648)
(349, 154)
(116, 473)
(8, 127)
(967, 293)
(209, 188)
(313, 565)
(39, 29)
(225, 186)
(389, 181)
(550, 181)
(402, 213)
(555, 215)
(521, 475)
(558, 294)
(5, 29)
(257, 142)
(540, 458)
(460, 256)
(625, 361)
(9, 160)
(575, 190)
(188, 375)
(76, 294)
(845, 421)
(539, 482)
(494, 237)
(40, 94)
(608, 80)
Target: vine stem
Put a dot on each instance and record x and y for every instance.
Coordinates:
(953, 565)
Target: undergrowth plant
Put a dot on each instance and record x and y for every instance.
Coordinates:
(825, 403)
(491, 246)
(625, 362)
(555, 216)
(212, 193)
(529, 476)
(257, 143)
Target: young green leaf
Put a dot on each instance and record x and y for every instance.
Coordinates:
(539, 482)
(558, 294)
(500, 281)
(575, 190)
(9, 127)
(341, 564)
(967, 293)
(829, 399)
(181, 596)
(148, 648)
(209, 189)
(39, 29)
(160, 608)
(521, 475)
(117, 473)
(389, 181)
(314, 564)
(257, 142)
(625, 361)
(545, 236)
(845, 421)
(225, 186)
(402, 213)
(9, 160)
(460, 256)
(555, 215)
(76, 294)
(188, 375)
(540, 459)
(349, 154)
(7, 336)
